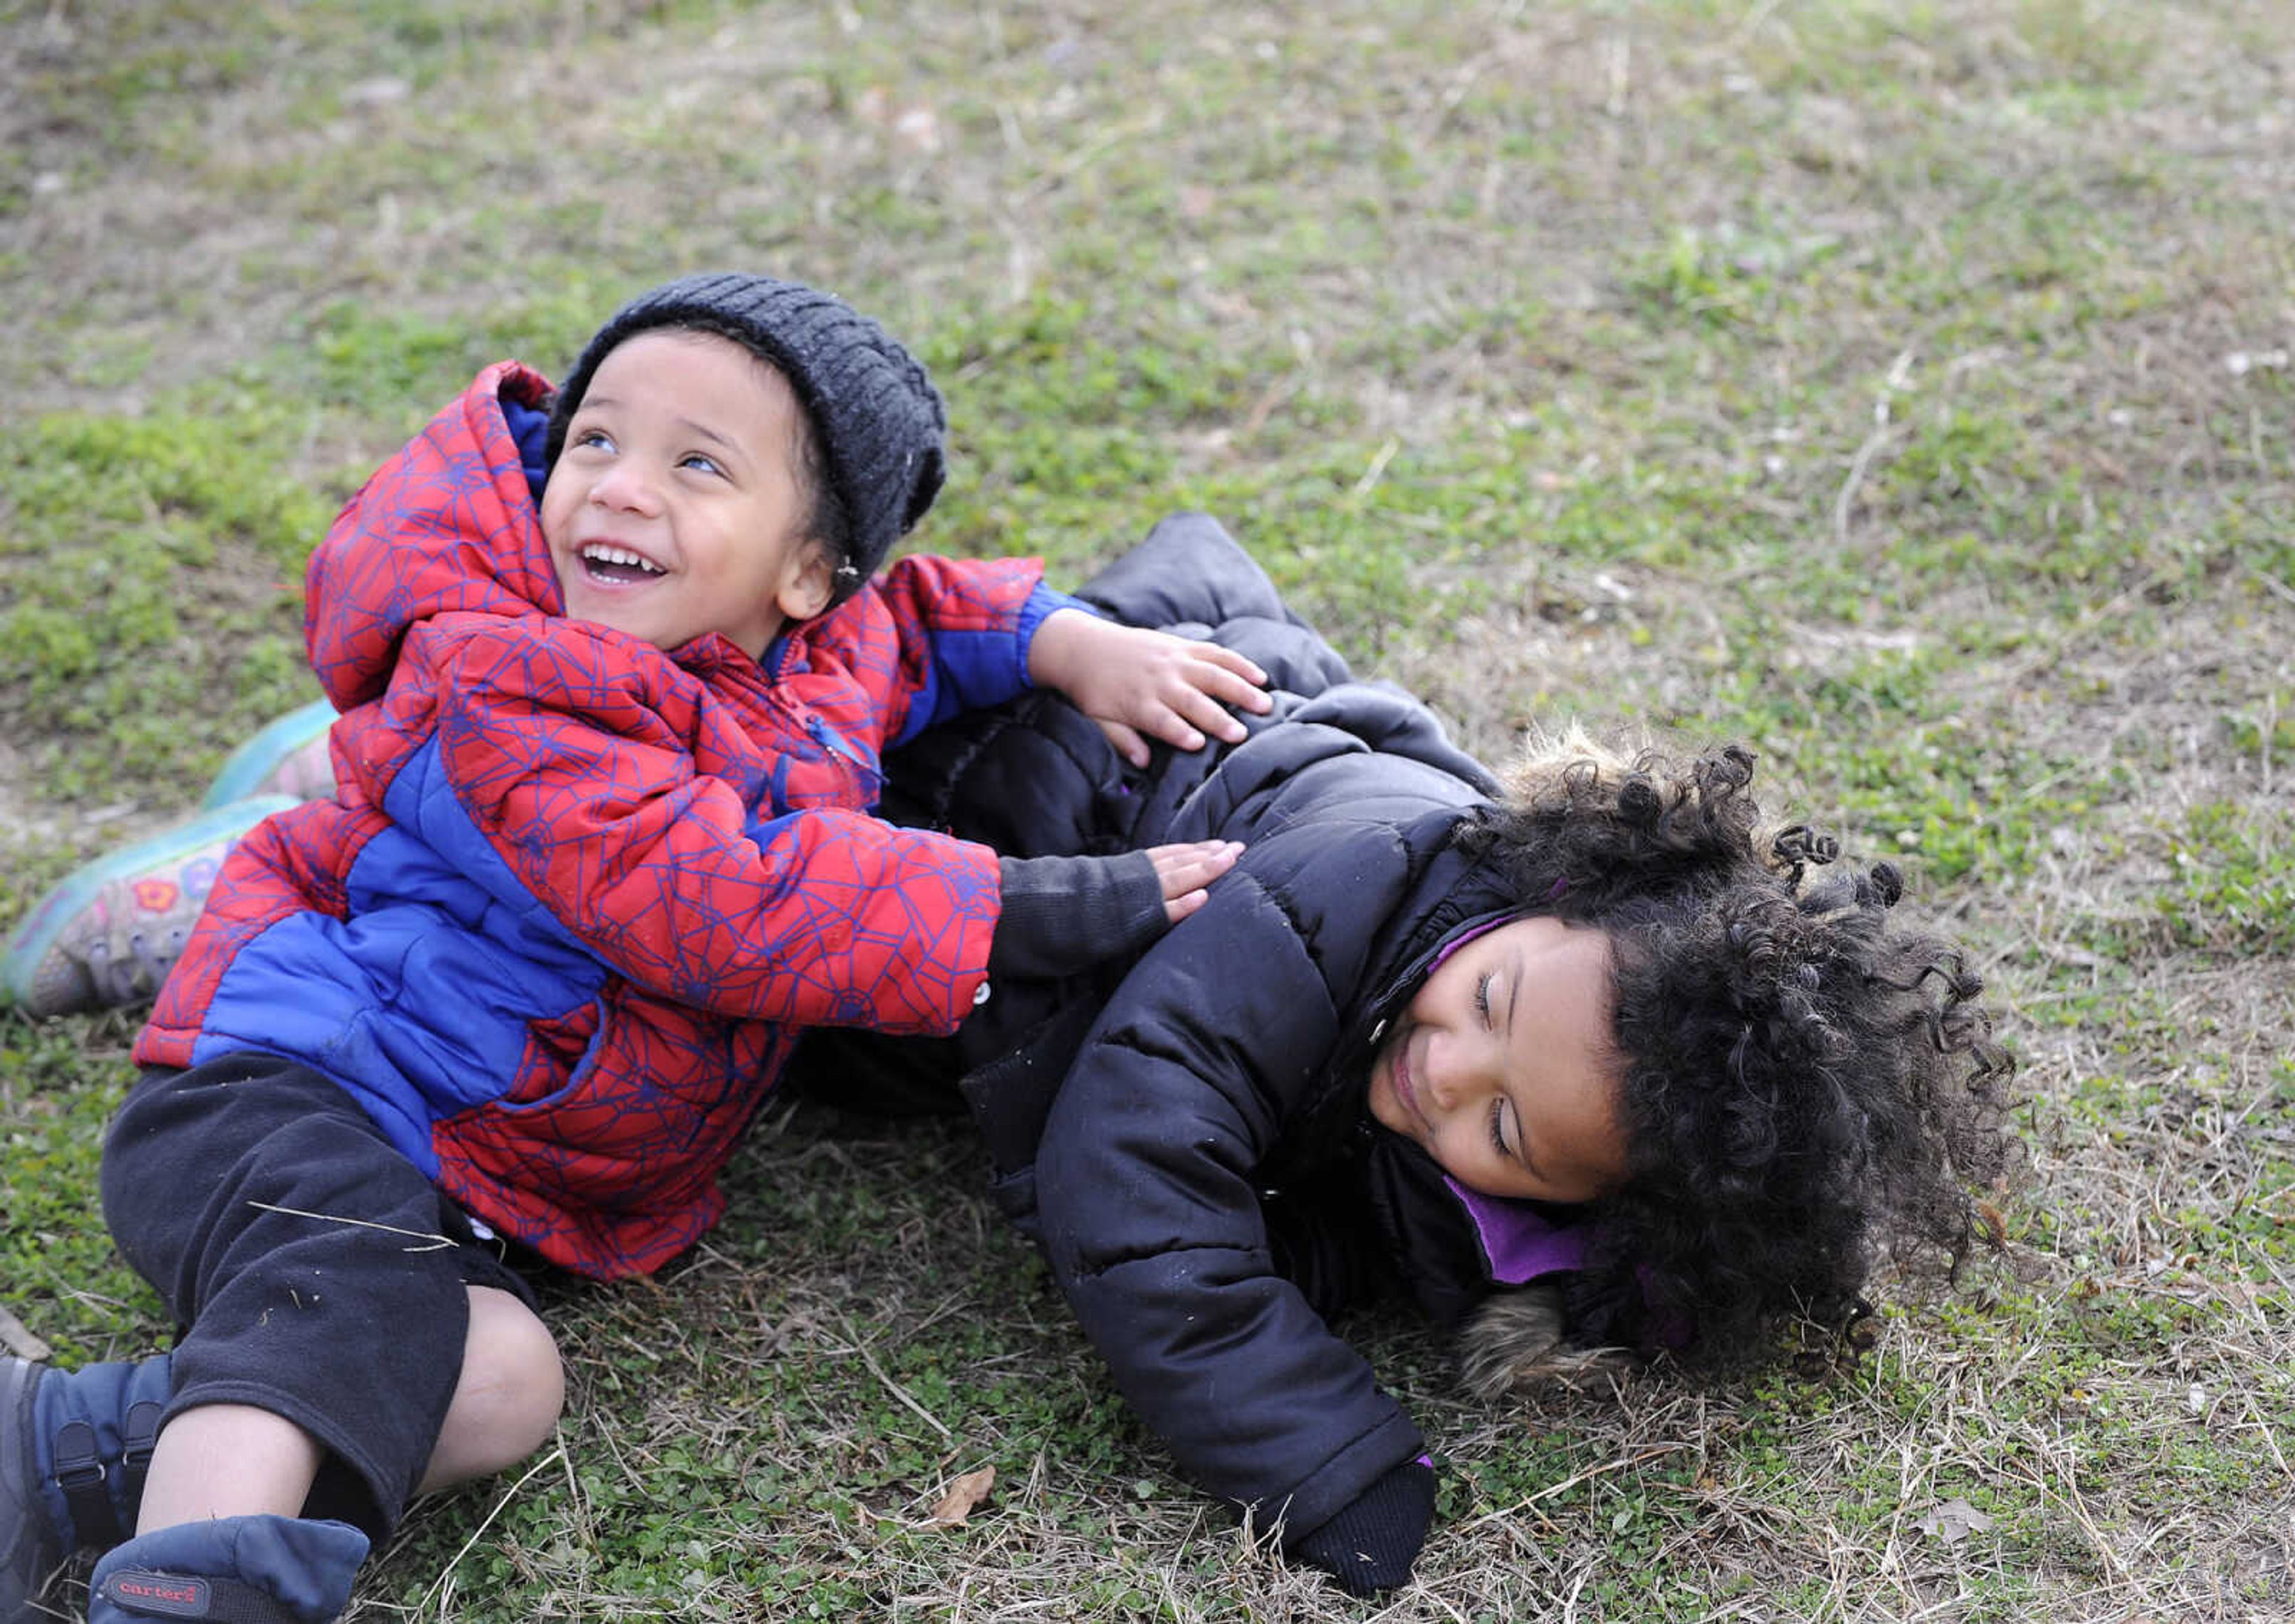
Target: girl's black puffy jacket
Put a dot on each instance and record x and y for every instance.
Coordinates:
(1188, 1137)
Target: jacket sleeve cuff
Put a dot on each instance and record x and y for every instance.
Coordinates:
(1370, 1543)
(1043, 602)
(1060, 914)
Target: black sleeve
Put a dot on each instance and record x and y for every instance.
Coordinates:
(1153, 1225)
(1370, 1546)
(1060, 914)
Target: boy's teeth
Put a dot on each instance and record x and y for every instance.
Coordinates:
(598, 554)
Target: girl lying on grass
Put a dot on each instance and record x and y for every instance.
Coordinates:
(1593, 1063)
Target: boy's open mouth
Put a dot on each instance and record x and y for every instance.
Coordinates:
(602, 561)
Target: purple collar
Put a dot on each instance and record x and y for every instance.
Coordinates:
(1519, 1244)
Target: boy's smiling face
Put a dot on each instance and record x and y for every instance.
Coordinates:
(678, 506)
(1502, 1067)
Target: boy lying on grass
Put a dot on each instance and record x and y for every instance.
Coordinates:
(615, 676)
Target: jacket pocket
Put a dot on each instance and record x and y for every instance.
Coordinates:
(560, 1051)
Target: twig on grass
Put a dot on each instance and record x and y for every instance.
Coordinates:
(1444, 1605)
(1602, 1470)
(1089, 153)
(1377, 468)
(1858, 464)
(895, 1388)
(1883, 430)
(446, 1574)
(2071, 1501)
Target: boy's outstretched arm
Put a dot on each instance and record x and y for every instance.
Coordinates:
(562, 777)
(1140, 684)
(1062, 913)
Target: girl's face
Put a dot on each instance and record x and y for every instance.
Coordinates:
(1502, 1067)
(677, 507)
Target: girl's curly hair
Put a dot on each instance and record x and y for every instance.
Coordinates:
(1809, 1082)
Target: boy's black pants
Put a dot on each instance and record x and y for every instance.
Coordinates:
(313, 1270)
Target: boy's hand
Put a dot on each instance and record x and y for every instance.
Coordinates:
(1186, 870)
(1134, 681)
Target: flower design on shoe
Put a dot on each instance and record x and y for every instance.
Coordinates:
(109, 934)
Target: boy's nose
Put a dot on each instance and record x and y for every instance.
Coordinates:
(625, 487)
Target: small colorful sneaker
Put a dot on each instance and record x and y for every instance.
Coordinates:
(288, 756)
(109, 934)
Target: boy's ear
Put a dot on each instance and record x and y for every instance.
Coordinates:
(809, 583)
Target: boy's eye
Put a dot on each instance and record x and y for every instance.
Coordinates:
(597, 439)
(701, 464)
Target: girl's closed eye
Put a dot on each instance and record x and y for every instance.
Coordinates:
(1483, 997)
(1498, 1129)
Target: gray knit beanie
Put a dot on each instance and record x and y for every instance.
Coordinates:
(877, 419)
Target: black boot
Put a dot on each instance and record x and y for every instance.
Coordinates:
(73, 1448)
(244, 1570)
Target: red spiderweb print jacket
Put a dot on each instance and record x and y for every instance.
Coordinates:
(575, 897)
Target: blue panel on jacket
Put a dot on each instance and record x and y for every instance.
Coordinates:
(970, 669)
(529, 427)
(419, 1004)
(437, 855)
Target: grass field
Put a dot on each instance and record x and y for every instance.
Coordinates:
(1905, 389)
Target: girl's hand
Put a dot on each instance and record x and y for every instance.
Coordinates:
(1140, 684)
(1186, 870)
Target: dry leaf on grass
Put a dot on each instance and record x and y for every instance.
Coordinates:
(1953, 1521)
(963, 1498)
(18, 1338)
